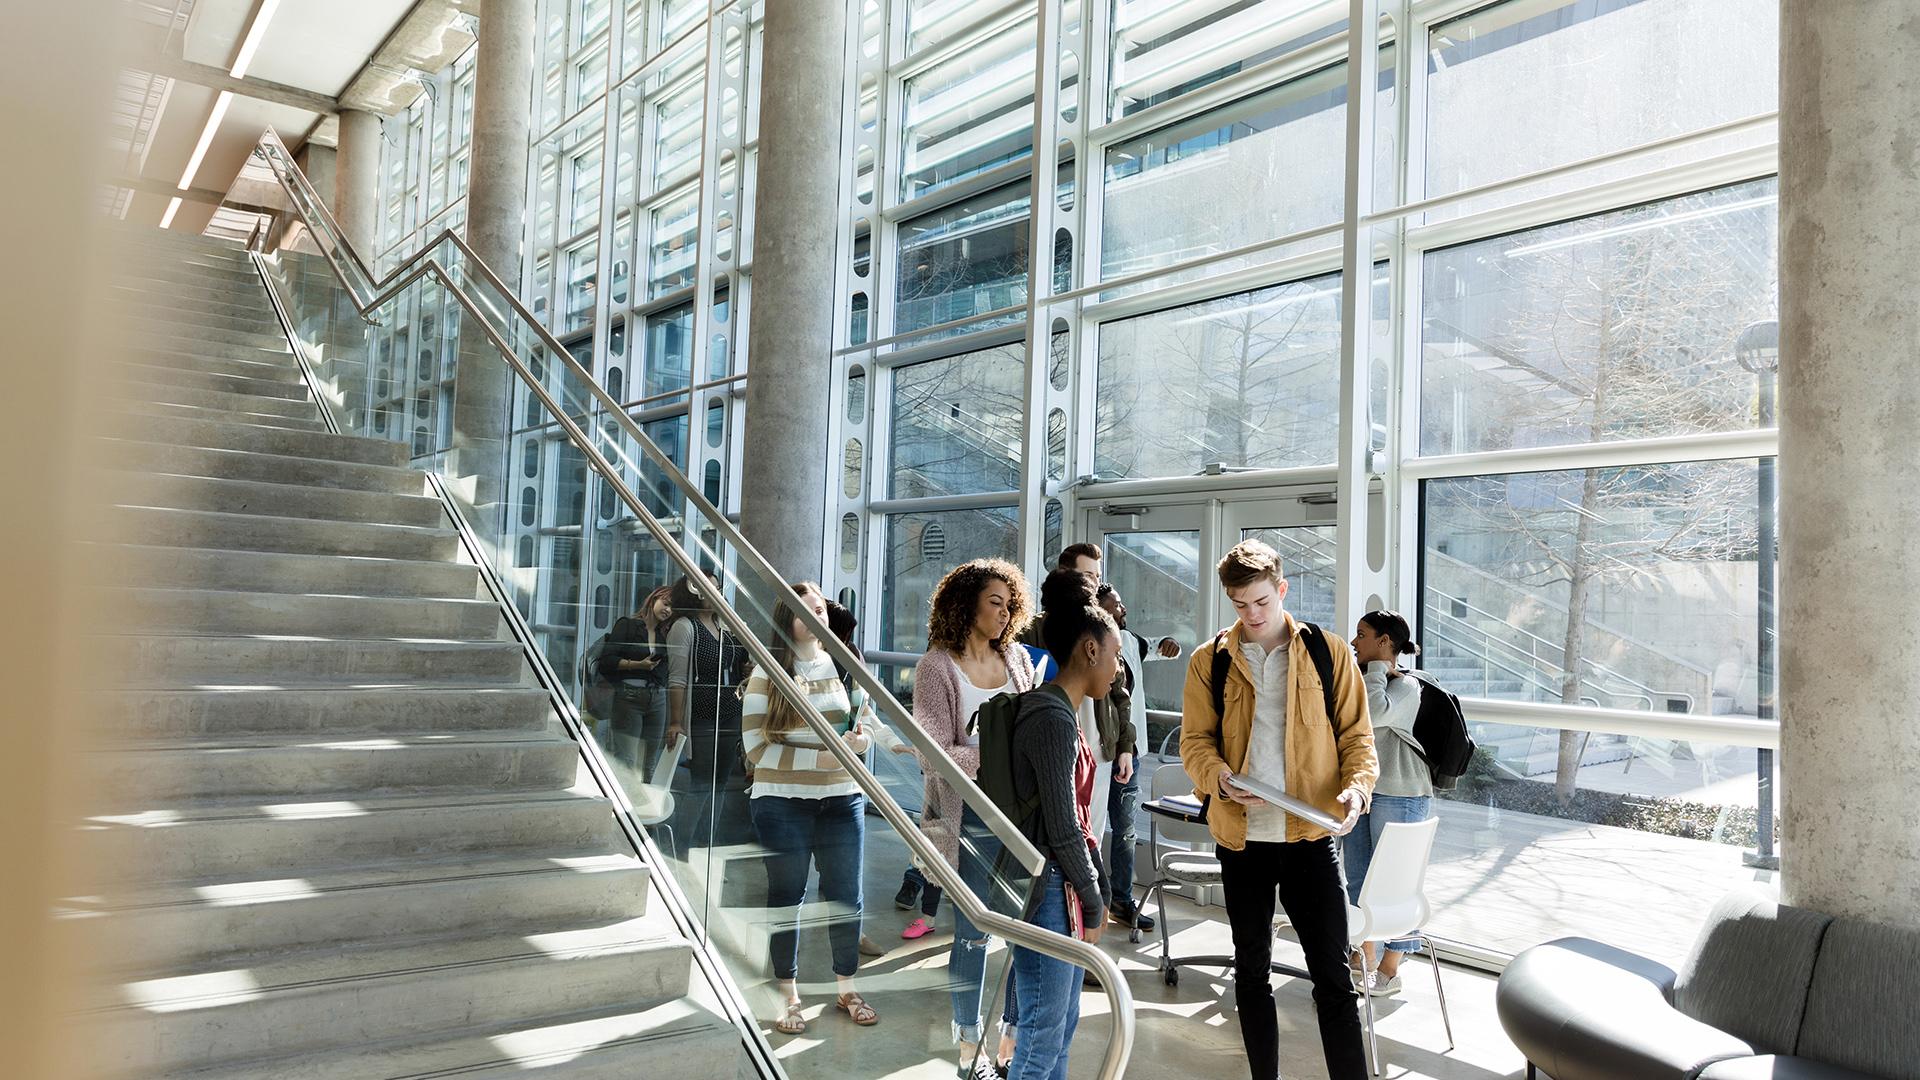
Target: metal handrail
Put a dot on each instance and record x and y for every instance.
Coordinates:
(313, 211)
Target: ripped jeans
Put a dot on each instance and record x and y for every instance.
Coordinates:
(967, 962)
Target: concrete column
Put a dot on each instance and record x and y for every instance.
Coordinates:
(496, 207)
(320, 164)
(786, 458)
(1850, 510)
(356, 183)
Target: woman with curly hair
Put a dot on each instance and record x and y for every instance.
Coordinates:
(979, 609)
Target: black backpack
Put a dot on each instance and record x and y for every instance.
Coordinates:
(1441, 730)
(1316, 640)
(994, 722)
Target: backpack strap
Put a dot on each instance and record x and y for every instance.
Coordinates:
(1316, 641)
(1222, 664)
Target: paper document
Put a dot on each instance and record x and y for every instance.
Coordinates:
(1284, 801)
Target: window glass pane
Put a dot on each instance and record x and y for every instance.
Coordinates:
(1619, 326)
(1244, 381)
(921, 548)
(1624, 588)
(583, 178)
(969, 114)
(1632, 70)
(676, 138)
(674, 19)
(669, 352)
(592, 19)
(590, 77)
(582, 279)
(1267, 166)
(956, 424)
(675, 225)
(963, 260)
(1164, 48)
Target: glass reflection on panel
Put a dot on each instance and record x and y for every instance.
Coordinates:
(1163, 50)
(1244, 381)
(956, 424)
(1618, 326)
(969, 114)
(1158, 576)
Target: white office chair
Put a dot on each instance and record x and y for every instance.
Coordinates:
(653, 800)
(1393, 904)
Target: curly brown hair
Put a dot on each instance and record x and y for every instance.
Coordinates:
(957, 598)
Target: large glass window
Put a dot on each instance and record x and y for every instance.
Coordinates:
(1162, 50)
(963, 260)
(956, 424)
(1268, 166)
(921, 548)
(969, 114)
(1248, 381)
(1620, 326)
(1503, 82)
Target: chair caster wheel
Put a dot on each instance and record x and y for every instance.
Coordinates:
(1173, 976)
(1133, 936)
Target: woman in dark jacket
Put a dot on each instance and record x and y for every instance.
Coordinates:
(634, 661)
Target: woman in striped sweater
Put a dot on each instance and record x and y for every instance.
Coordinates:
(806, 808)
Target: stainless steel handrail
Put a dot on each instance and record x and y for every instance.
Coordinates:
(313, 212)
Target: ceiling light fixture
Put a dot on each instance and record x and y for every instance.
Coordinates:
(206, 137)
(173, 208)
(255, 35)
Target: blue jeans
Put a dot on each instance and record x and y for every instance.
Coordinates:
(830, 833)
(1048, 996)
(1123, 808)
(1356, 848)
(967, 961)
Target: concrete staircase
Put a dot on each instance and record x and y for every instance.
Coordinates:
(344, 835)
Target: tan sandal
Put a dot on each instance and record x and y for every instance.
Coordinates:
(857, 1009)
(791, 1022)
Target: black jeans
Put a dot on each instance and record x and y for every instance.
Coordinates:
(1308, 878)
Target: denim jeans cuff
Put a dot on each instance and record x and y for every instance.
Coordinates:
(968, 1033)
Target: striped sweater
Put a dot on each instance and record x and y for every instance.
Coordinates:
(792, 763)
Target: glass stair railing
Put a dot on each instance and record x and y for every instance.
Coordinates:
(691, 798)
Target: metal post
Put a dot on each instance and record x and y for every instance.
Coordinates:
(1758, 350)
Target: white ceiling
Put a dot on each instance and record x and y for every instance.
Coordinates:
(316, 45)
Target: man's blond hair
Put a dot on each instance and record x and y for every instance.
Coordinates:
(1248, 562)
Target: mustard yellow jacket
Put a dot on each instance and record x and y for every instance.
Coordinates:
(1325, 755)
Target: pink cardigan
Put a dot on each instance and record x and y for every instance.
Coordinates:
(936, 708)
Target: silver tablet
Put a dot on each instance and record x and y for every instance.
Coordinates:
(1301, 810)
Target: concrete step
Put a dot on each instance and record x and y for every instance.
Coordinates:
(241, 840)
(245, 305)
(188, 268)
(282, 572)
(275, 500)
(221, 290)
(140, 311)
(324, 1001)
(195, 330)
(170, 926)
(333, 712)
(224, 416)
(226, 613)
(160, 661)
(150, 370)
(681, 1039)
(157, 393)
(254, 438)
(198, 347)
(164, 526)
(265, 367)
(267, 468)
(137, 776)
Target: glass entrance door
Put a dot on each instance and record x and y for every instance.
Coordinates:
(1160, 556)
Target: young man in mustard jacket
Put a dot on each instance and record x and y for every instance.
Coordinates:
(1274, 725)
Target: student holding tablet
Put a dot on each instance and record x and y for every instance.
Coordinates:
(1287, 717)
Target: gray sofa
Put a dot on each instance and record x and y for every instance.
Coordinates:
(1769, 992)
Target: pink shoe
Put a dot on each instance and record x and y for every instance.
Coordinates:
(918, 928)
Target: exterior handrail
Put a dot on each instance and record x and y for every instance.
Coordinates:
(372, 293)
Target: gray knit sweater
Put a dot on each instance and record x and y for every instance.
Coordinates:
(1046, 741)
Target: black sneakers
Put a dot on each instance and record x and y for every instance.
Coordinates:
(1130, 917)
(908, 895)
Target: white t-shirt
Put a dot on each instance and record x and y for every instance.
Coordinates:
(971, 698)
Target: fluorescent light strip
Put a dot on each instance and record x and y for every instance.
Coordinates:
(218, 114)
(255, 35)
(166, 219)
